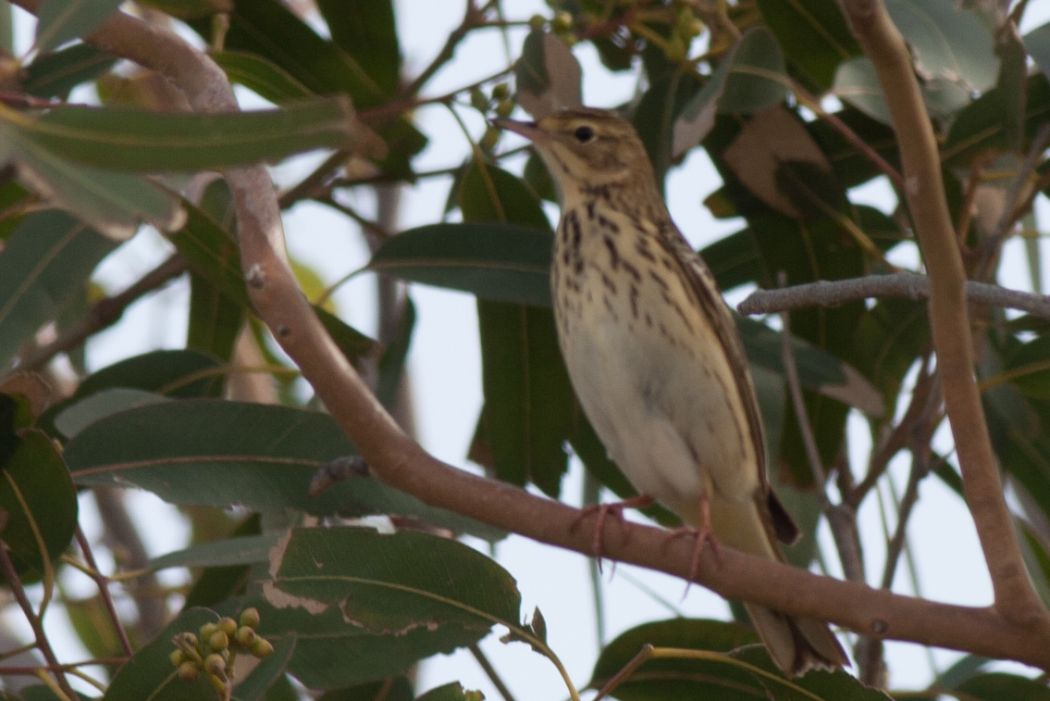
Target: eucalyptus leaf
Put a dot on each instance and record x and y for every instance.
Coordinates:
(374, 604)
(58, 21)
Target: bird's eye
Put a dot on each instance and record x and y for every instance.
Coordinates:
(583, 134)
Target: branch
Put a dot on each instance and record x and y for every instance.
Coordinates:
(949, 321)
(10, 575)
(403, 464)
(105, 313)
(831, 293)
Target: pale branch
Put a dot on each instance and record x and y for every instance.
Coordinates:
(952, 338)
(401, 463)
(832, 293)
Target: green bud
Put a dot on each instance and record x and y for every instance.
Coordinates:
(537, 22)
(488, 141)
(188, 671)
(500, 91)
(246, 636)
(261, 647)
(177, 657)
(219, 640)
(478, 100)
(227, 625)
(214, 664)
(562, 21)
(505, 107)
(250, 617)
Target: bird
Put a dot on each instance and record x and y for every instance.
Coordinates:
(655, 360)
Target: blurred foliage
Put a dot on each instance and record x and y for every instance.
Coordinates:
(95, 152)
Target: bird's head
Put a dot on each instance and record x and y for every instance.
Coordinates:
(586, 148)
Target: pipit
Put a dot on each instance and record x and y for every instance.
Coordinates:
(655, 358)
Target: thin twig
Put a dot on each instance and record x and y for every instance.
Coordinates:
(862, 147)
(104, 313)
(832, 293)
(490, 672)
(102, 582)
(925, 397)
(471, 18)
(14, 583)
(1017, 191)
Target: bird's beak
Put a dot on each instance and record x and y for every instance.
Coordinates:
(530, 130)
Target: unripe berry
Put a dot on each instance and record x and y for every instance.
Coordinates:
(261, 647)
(250, 617)
(219, 640)
(227, 625)
(214, 664)
(246, 636)
(188, 671)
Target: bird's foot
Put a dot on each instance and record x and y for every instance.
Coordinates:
(702, 536)
(603, 511)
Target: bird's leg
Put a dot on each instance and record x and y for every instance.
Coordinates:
(616, 509)
(701, 534)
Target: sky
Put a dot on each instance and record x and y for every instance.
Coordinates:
(445, 365)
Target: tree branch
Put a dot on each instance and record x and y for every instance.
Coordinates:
(831, 293)
(949, 321)
(403, 464)
(105, 313)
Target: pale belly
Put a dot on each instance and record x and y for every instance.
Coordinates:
(660, 397)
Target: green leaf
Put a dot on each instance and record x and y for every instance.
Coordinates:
(980, 127)
(394, 358)
(453, 691)
(813, 35)
(144, 140)
(749, 79)
(217, 453)
(44, 266)
(58, 21)
(547, 75)
(172, 373)
(79, 414)
(211, 252)
(366, 605)
(267, 673)
(351, 342)
(496, 262)
(528, 399)
(55, 74)
(38, 497)
(817, 369)
(269, 28)
(261, 76)
(113, 203)
(947, 43)
(391, 689)
(994, 686)
(150, 674)
(367, 32)
(719, 676)
(243, 550)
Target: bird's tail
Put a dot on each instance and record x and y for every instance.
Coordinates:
(797, 644)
